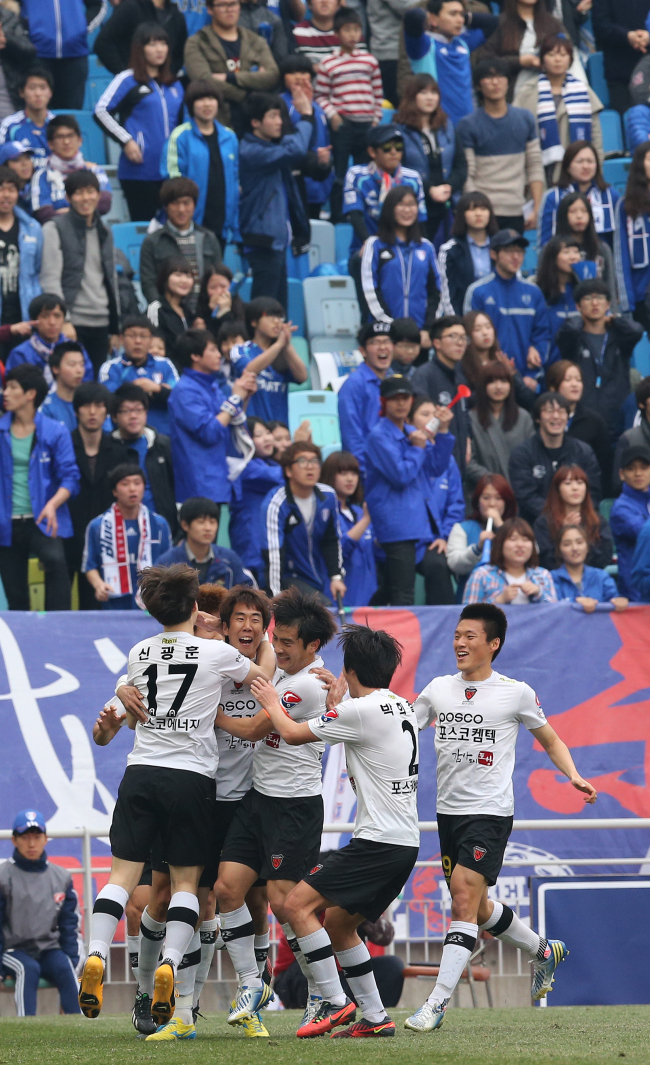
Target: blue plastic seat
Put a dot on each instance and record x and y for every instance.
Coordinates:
(596, 75)
(610, 123)
(343, 233)
(331, 306)
(96, 85)
(322, 248)
(529, 265)
(93, 147)
(297, 265)
(641, 356)
(387, 114)
(321, 410)
(302, 348)
(615, 172)
(233, 259)
(296, 304)
(128, 236)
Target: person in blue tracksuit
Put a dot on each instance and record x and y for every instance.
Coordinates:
(557, 279)
(199, 520)
(637, 125)
(38, 474)
(399, 269)
(201, 416)
(358, 399)
(67, 365)
(271, 356)
(318, 174)
(14, 305)
(27, 126)
(206, 151)
(342, 472)
(139, 109)
(516, 307)
(577, 583)
(581, 172)
(64, 141)
(630, 512)
(60, 34)
(49, 313)
(260, 476)
(301, 536)
(400, 460)
(640, 577)
(156, 374)
(632, 240)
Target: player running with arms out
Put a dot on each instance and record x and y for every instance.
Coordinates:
(276, 831)
(380, 732)
(168, 789)
(477, 713)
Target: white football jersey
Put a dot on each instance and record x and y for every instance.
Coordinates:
(380, 733)
(476, 735)
(235, 772)
(181, 677)
(292, 772)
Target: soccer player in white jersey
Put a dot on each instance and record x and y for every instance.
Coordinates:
(380, 733)
(168, 788)
(477, 712)
(276, 830)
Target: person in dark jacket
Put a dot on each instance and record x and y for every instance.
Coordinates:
(154, 457)
(585, 424)
(113, 45)
(639, 435)
(259, 476)
(316, 173)
(602, 346)
(171, 313)
(440, 378)
(622, 36)
(40, 922)
(465, 258)
(96, 453)
(17, 53)
(630, 512)
(199, 520)
(568, 503)
(533, 464)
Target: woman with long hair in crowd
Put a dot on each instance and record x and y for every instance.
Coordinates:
(498, 424)
(581, 172)
(556, 278)
(577, 582)
(632, 238)
(139, 109)
(523, 25)
(405, 282)
(342, 472)
(216, 303)
(171, 313)
(492, 498)
(585, 424)
(569, 503)
(513, 574)
(258, 477)
(575, 221)
(430, 147)
(465, 258)
(483, 348)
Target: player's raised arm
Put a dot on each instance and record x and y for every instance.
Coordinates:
(244, 728)
(132, 700)
(560, 756)
(107, 725)
(295, 733)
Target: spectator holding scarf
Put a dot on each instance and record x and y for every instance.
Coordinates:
(580, 171)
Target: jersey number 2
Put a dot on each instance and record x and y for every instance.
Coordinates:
(413, 765)
(151, 673)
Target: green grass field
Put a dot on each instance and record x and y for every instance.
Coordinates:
(580, 1036)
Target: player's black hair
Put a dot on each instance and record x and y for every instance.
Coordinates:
(259, 104)
(494, 622)
(9, 177)
(169, 592)
(92, 392)
(438, 327)
(29, 377)
(313, 620)
(592, 286)
(296, 64)
(199, 507)
(59, 350)
(260, 306)
(47, 301)
(125, 469)
(372, 654)
(250, 597)
(129, 392)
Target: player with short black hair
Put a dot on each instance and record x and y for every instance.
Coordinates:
(477, 713)
(380, 733)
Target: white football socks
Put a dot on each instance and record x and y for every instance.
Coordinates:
(185, 978)
(107, 912)
(319, 955)
(152, 934)
(238, 934)
(208, 934)
(182, 915)
(292, 940)
(456, 952)
(504, 924)
(133, 945)
(356, 964)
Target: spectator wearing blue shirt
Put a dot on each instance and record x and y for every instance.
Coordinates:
(48, 313)
(317, 174)
(20, 160)
(60, 35)
(632, 239)
(341, 471)
(516, 307)
(67, 365)
(577, 583)
(154, 374)
(556, 278)
(21, 246)
(630, 513)
(38, 474)
(199, 520)
(359, 399)
(442, 52)
(641, 566)
(271, 356)
(126, 539)
(27, 126)
(64, 142)
(407, 345)
(258, 477)
(581, 172)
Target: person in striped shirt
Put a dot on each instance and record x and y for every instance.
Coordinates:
(316, 37)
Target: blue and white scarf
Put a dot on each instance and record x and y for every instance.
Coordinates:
(578, 107)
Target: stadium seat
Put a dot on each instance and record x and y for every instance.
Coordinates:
(343, 238)
(596, 75)
(129, 237)
(321, 410)
(119, 212)
(626, 132)
(233, 259)
(223, 534)
(302, 348)
(529, 265)
(297, 265)
(322, 248)
(93, 147)
(296, 304)
(387, 114)
(331, 306)
(330, 369)
(97, 83)
(615, 172)
(245, 289)
(610, 122)
(641, 356)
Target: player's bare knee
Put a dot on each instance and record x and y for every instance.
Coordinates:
(229, 896)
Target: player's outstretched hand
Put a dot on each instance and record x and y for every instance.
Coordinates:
(337, 692)
(132, 700)
(208, 626)
(107, 725)
(588, 790)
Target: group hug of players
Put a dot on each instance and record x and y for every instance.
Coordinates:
(223, 791)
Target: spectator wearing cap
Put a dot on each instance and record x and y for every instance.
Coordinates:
(21, 246)
(359, 397)
(601, 346)
(154, 374)
(501, 145)
(48, 312)
(640, 433)
(68, 367)
(271, 211)
(400, 460)
(441, 378)
(630, 514)
(317, 173)
(208, 151)
(515, 305)
(199, 520)
(349, 90)
(27, 126)
(406, 339)
(20, 160)
(64, 142)
(39, 919)
(79, 265)
(271, 356)
(533, 464)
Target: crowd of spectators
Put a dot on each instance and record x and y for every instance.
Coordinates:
(495, 437)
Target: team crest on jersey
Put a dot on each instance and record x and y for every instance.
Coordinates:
(485, 758)
(470, 693)
(58, 897)
(331, 715)
(290, 699)
(239, 684)
(479, 852)
(315, 869)
(276, 860)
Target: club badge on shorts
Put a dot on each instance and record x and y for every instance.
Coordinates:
(276, 860)
(479, 852)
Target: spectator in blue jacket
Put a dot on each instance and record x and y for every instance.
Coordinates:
(271, 356)
(205, 422)
(139, 109)
(407, 345)
(400, 460)
(359, 399)
(68, 368)
(207, 151)
(641, 566)
(155, 375)
(64, 142)
(637, 125)
(301, 536)
(21, 161)
(61, 38)
(317, 173)
(40, 921)
(577, 583)
(341, 471)
(38, 474)
(27, 126)
(48, 313)
(20, 252)
(199, 520)
(630, 513)
(556, 279)
(399, 269)
(516, 306)
(271, 211)
(262, 474)
(581, 172)
(632, 238)
(442, 52)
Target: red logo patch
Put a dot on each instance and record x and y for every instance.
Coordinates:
(537, 700)
(58, 897)
(290, 699)
(479, 852)
(331, 715)
(470, 693)
(315, 869)
(276, 860)
(273, 740)
(485, 758)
